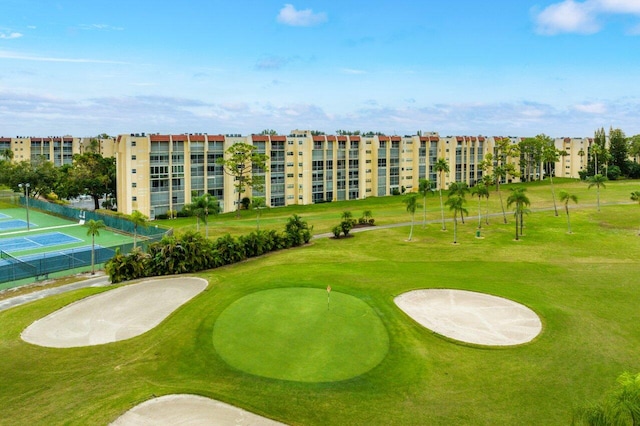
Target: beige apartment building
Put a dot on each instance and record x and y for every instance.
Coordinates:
(161, 173)
(57, 149)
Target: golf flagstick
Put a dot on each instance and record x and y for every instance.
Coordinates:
(328, 296)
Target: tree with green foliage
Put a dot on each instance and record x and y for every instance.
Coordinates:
(456, 205)
(297, 231)
(425, 188)
(618, 149)
(531, 155)
(597, 181)
(521, 201)
(40, 174)
(138, 219)
(201, 208)
(441, 168)
(90, 174)
(487, 180)
(550, 157)
(461, 189)
(480, 191)
(411, 201)
(566, 197)
(93, 229)
(620, 406)
(241, 161)
(635, 196)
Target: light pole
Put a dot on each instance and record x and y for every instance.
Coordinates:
(26, 187)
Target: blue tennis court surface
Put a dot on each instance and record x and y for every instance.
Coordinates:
(36, 241)
(4, 216)
(13, 224)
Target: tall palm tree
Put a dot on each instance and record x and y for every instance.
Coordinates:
(499, 173)
(550, 155)
(635, 196)
(94, 227)
(138, 219)
(480, 191)
(488, 181)
(459, 188)
(411, 200)
(597, 181)
(566, 197)
(456, 205)
(424, 189)
(441, 167)
(521, 201)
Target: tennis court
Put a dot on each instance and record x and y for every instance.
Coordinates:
(4, 216)
(6, 225)
(31, 242)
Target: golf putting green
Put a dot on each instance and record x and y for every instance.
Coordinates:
(299, 334)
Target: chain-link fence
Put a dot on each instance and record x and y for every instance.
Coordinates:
(41, 265)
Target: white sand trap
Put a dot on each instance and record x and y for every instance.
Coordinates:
(471, 317)
(189, 410)
(115, 315)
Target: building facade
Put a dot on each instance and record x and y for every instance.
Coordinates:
(161, 173)
(57, 149)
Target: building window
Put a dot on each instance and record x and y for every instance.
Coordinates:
(133, 143)
(134, 185)
(133, 157)
(134, 198)
(133, 171)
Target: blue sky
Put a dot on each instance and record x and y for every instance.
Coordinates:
(458, 67)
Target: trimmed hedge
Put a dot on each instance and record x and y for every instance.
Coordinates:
(191, 252)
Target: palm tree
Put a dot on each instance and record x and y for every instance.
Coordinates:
(520, 200)
(499, 172)
(635, 196)
(487, 180)
(621, 406)
(461, 189)
(138, 219)
(597, 181)
(480, 190)
(94, 227)
(565, 197)
(424, 189)
(456, 205)
(202, 207)
(550, 155)
(411, 200)
(441, 167)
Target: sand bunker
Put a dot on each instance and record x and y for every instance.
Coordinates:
(115, 315)
(189, 410)
(471, 317)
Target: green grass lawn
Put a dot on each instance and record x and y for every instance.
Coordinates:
(584, 287)
(301, 334)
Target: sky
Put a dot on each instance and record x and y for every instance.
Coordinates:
(456, 67)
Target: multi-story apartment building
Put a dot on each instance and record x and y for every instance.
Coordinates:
(161, 173)
(57, 149)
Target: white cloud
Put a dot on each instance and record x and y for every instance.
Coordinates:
(591, 108)
(581, 17)
(567, 16)
(9, 36)
(21, 57)
(99, 27)
(300, 18)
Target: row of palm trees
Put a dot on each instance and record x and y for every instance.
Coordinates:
(456, 199)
